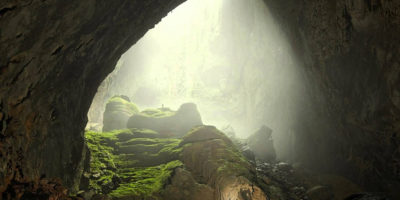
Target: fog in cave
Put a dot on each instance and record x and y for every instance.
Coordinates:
(200, 100)
(229, 57)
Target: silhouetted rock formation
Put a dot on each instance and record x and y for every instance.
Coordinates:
(167, 122)
(262, 145)
(117, 112)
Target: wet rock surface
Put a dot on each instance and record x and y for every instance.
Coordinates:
(366, 197)
(350, 51)
(42, 189)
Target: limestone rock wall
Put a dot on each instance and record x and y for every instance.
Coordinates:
(350, 52)
(53, 56)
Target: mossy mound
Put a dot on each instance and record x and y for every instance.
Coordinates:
(204, 133)
(158, 112)
(213, 159)
(117, 112)
(166, 121)
(138, 133)
(142, 183)
(140, 164)
(206, 144)
(125, 164)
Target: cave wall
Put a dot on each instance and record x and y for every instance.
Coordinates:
(53, 56)
(350, 54)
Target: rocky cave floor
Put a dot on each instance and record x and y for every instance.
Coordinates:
(147, 159)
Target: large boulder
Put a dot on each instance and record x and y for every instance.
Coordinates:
(214, 160)
(166, 121)
(262, 145)
(118, 110)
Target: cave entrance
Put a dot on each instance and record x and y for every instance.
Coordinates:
(228, 57)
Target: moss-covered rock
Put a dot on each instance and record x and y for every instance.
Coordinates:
(158, 112)
(204, 133)
(139, 164)
(117, 112)
(125, 164)
(213, 159)
(166, 121)
(143, 183)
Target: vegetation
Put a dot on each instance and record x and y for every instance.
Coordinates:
(144, 182)
(127, 164)
(137, 163)
(126, 105)
(158, 112)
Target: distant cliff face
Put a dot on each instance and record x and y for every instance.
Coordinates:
(351, 56)
(53, 56)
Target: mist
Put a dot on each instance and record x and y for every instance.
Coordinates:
(229, 57)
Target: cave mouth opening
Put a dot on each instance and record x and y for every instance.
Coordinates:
(229, 58)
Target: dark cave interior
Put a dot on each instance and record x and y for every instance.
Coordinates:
(55, 54)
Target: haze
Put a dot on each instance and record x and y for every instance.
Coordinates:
(227, 56)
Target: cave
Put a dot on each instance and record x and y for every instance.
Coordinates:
(56, 54)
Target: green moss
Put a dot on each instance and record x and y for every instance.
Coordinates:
(119, 102)
(145, 182)
(140, 145)
(158, 112)
(229, 161)
(102, 166)
(149, 141)
(128, 134)
(162, 152)
(144, 133)
(234, 163)
(141, 165)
